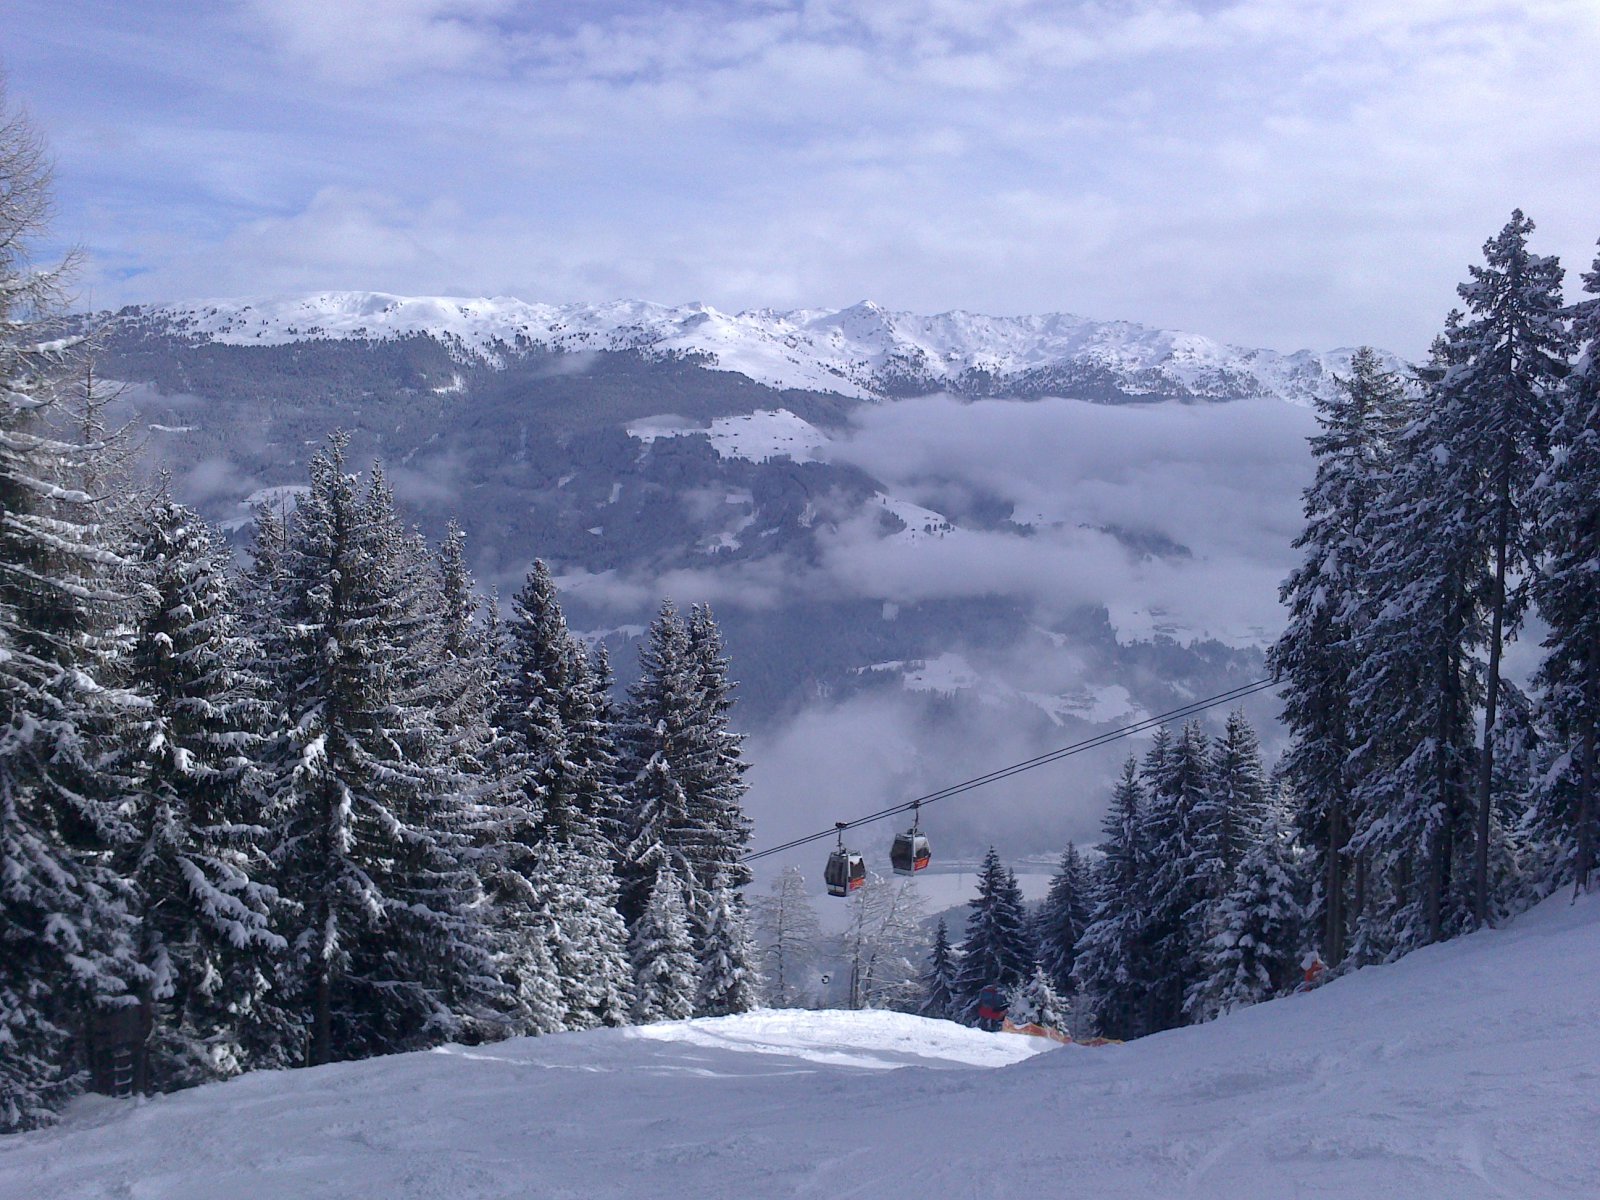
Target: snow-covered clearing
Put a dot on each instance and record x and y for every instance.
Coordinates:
(755, 436)
(1468, 1070)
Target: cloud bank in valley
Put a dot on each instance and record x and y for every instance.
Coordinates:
(1175, 517)
(1214, 490)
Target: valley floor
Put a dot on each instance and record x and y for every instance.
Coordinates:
(1468, 1070)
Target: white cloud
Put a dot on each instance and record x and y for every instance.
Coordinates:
(363, 41)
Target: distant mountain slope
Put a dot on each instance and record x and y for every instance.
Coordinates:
(913, 588)
(864, 351)
(1465, 1072)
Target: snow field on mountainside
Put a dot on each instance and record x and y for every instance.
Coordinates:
(1469, 1070)
(754, 436)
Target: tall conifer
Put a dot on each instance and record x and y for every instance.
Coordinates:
(1568, 593)
(1498, 397)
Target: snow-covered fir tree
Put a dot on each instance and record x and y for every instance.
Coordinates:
(1226, 814)
(665, 980)
(998, 948)
(574, 911)
(1498, 401)
(939, 978)
(66, 944)
(199, 861)
(371, 845)
(1315, 655)
(543, 673)
(683, 774)
(464, 681)
(1062, 919)
(1236, 799)
(656, 735)
(790, 938)
(1037, 1002)
(729, 982)
(590, 720)
(1184, 868)
(1256, 932)
(595, 725)
(554, 715)
(1415, 681)
(1567, 590)
(716, 785)
(1112, 967)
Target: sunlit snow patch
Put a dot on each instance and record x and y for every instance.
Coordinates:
(869, 1040)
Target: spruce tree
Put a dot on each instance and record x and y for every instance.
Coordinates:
(1037, 1002)
(665, 978)
(544, 673)
(1414, 684)
(657, 736)
(464, 682)
(1184, 869)
(716, 784)
(66, 944)
(1315, 656)
(939, 978)
(998, 948)
(554, 716)
(1499, 399)
(199, 860)
(1236, 799)
(597, 728)
(370, 844)
(1255, 934)
(1112, 968)
(1567, 590)
(729, 982)
(1062, 919)
(681, 764)
(574, 911)
(518, 936)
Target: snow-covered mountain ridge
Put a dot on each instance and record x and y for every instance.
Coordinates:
(863, 351)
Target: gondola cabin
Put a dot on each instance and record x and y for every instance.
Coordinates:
(845, 872)
(910, 853)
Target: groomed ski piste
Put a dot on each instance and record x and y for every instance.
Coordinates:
(1470, 1069)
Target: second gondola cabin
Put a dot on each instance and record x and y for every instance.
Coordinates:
(910, 853)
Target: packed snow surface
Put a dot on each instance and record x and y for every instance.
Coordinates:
(1468, 1070)
(864, 350)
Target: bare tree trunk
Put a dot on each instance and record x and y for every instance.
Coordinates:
(1585, 864)
(322, 1019)
(1333, 899)
(1358, 901)
(1480, 850)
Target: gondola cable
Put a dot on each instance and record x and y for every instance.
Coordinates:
(1029, 764)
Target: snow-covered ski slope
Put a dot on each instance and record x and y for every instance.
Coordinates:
(1468, 1070)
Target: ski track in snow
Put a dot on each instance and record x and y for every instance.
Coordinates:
(1468, 1070)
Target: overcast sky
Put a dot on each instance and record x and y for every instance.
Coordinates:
(1280, 173)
